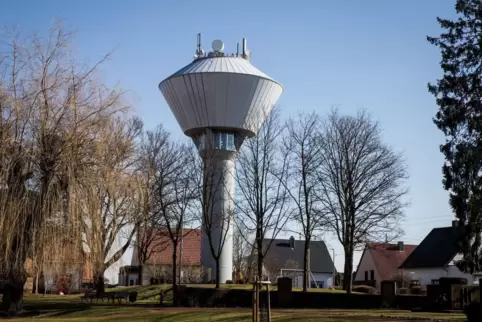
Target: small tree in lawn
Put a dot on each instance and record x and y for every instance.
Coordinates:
(459, 97)
(175, 193)
(303, 151)
(262, 204)
(151, 237)
(361, 183)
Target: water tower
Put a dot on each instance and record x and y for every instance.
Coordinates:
(219, 100)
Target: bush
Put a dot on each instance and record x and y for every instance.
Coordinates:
(452, 281)
(417, 290)
(229, 282)
(473, 311)
(403, 291)
(241, 281)
(364, 289)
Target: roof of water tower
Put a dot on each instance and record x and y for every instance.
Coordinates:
(222, 91)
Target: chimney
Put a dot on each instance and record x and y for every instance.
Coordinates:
(292, 242)
(400, 246)
(455, 223)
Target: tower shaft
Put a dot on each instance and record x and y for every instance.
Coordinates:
(217, 232)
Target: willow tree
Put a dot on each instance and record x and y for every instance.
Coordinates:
(50, 105)
(112, 204)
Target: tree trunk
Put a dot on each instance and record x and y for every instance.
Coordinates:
(99, 282)
(174, 274)
(139, 275)
(36, 282)
(348, 269)
(260, 261)
(218, 276)
(306, 259)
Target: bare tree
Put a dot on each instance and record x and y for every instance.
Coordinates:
(304, 154)
(151, 234)
(241, 251)
(262, 196)
(176, 191)
(362, 183)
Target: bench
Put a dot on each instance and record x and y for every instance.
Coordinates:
(119, 296)
(88, 296)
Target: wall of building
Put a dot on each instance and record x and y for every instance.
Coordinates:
(324, 280)
(366, 265)
(131, 279)
(426, 275)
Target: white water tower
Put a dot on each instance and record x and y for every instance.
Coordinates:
(219, 100)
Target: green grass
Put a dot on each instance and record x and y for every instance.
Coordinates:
(138, 313)
(56, 308)
(272, 288)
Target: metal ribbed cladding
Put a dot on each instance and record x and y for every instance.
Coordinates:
(220, 92)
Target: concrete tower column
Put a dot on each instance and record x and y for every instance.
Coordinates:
(217, 232)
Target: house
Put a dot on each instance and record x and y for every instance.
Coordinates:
(158, 267)
(68, 273)
(285, 259)
(435, 257)
(380, 261)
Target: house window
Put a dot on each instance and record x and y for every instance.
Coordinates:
(435, 282)
(319, 283)
(366, 275)
(372, 275)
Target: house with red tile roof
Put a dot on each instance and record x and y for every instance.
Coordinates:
(158, 267)
(380, 262)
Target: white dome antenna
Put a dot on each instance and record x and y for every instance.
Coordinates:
(218, 46)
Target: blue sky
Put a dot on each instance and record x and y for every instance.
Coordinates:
(350, 53)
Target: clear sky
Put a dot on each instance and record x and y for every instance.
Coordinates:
(369, 54)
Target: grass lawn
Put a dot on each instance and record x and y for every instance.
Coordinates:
(68, 308)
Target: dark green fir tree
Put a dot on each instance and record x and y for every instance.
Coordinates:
(459, 98)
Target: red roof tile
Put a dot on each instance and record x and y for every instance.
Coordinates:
(387, 258)
(191, 249)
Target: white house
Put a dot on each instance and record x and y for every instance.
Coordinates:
(285, 258)
(435, 257)
(380, 261)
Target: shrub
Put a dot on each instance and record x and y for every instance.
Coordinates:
(229, 282)
(403, 291)
(473, 311)
(364, 289)
(452, 281)
(241, 281)
(416, 290)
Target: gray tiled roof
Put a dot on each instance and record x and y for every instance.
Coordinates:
(436, 250)
(279, 254)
